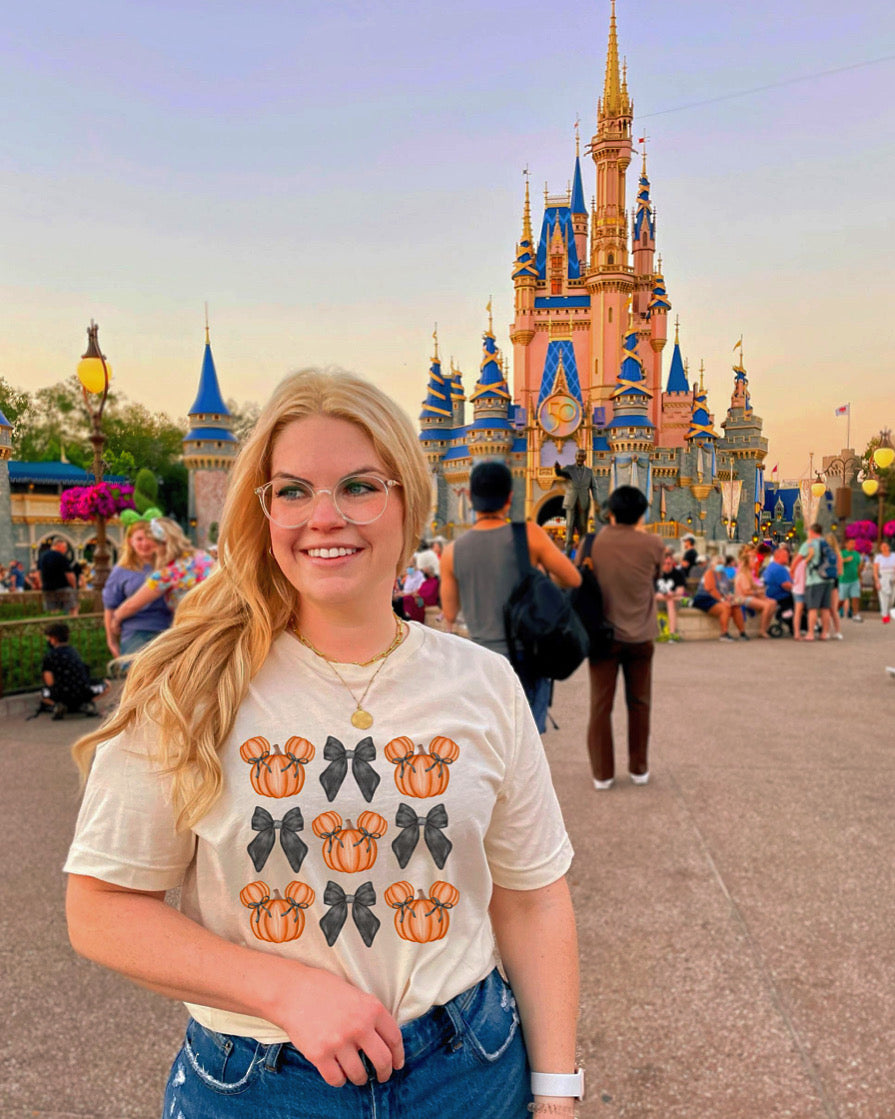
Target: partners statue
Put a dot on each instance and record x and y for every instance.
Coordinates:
(576, 503)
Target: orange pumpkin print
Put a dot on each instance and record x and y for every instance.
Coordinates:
(277, 919)
(275, 773)
(349, 849)
(422, 919)
(422, 774)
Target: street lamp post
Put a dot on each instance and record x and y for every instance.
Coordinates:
(882, 458)
(94, 373)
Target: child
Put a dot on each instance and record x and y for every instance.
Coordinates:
(67, 684)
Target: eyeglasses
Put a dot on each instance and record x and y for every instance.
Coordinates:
(357, 498)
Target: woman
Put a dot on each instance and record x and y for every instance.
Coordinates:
(283, 666)
(714, 597)
(179, 567)
(884, 579)
(413, 606)
(126, 577)
(751, 594)
(798, 573)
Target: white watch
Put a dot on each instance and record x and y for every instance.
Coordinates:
(558, 1084)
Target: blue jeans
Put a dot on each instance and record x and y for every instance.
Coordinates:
(463, 1059)
(537, 692)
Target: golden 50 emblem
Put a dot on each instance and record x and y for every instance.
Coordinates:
(559, 415)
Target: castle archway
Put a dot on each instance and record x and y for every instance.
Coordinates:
(551, 508)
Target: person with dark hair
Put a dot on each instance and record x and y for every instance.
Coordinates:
(57, 579)
(480, 571)
(626, 563)
(67, 686)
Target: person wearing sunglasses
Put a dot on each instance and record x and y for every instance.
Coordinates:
(356, 809)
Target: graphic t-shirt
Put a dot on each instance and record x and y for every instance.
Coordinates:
(368, 853)
(669, 581)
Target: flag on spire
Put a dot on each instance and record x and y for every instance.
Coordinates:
(739, 344)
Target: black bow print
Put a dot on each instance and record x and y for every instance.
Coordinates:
(364, 774)
(267, 827)
(360, 901)
(438, 843)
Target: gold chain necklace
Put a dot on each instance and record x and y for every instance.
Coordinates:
(360, 718)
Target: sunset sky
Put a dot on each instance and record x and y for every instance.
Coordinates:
(335, 178)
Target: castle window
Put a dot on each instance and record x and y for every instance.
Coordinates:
(610, 314)
(611, 259)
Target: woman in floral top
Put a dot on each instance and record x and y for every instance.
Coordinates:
(180, 568)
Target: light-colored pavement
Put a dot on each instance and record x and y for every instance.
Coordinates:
(736, 915)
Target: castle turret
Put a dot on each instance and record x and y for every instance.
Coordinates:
(631, 431)
(745, 447)
(491, 432)
(609, 275)
(209, 449)
(676, 399)
(578, 208)
(458, 397)
(437, 415)
(701, 437)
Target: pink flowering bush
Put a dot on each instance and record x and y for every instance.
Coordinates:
(889, 528)
(83, 503)
(864, 535)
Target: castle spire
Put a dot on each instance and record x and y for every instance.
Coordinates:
(578, 204)
(612, 87)
(677, 374)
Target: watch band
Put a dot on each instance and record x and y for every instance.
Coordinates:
(558, 1084)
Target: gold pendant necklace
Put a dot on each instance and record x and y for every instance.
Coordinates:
(360, 718)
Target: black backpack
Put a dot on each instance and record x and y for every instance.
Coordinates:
(544, 634)
(587, 599)
(826, 564)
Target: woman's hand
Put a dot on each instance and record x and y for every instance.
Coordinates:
(330, 1021)
(115, 625)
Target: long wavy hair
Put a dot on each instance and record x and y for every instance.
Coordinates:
(189, 682)
(172, 543)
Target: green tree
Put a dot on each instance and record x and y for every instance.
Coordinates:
(244, 417)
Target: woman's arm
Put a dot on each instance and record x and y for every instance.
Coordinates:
(450, 591)
(111, 635)
(326, 1018)
(535, 931)
(147, 594)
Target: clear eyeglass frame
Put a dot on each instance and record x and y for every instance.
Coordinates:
(387, 483)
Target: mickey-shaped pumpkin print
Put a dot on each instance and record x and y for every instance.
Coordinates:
(425, 773)
(277, 773)
(422, 919)
(274, 918)
(347, 848)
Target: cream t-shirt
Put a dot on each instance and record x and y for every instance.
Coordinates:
(329, 844)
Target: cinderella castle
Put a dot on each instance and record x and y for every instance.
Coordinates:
(588, 337)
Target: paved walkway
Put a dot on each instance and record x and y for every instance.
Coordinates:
(736, 915)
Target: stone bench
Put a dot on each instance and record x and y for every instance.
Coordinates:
(696, 625)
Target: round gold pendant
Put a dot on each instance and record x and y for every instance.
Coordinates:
(361, 719)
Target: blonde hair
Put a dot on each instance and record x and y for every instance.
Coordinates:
(190, 680)
(173, 543)
(129, 557)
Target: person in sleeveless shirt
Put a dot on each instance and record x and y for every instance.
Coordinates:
(479, 571)
(356, 810)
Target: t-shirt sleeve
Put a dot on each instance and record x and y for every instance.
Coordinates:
(126, 832)
(526, 844)
(163, 579)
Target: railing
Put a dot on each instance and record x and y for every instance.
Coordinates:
(23, 647)
(18, 605)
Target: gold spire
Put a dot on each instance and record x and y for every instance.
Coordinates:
(577, 137)
(526, 213)
(207, 336)
(612, 90)
(490, 315)
(677, 327)
(435, 340)
(701, 375)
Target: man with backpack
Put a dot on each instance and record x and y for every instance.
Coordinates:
(820, 561)
(481, 571)
(626, 563)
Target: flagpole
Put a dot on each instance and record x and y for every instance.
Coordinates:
(848, 426)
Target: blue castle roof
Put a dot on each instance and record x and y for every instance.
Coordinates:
(700, 420)
(221, 434)
(677, 375)
(578, 206)
(438, 394)
(56, 473)
(4, 422)
(631, 378)
(560, 348)
(209, 401)
(644, 209)
(561, 215)
(491, 383)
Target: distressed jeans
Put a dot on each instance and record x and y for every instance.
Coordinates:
(461, 1060)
